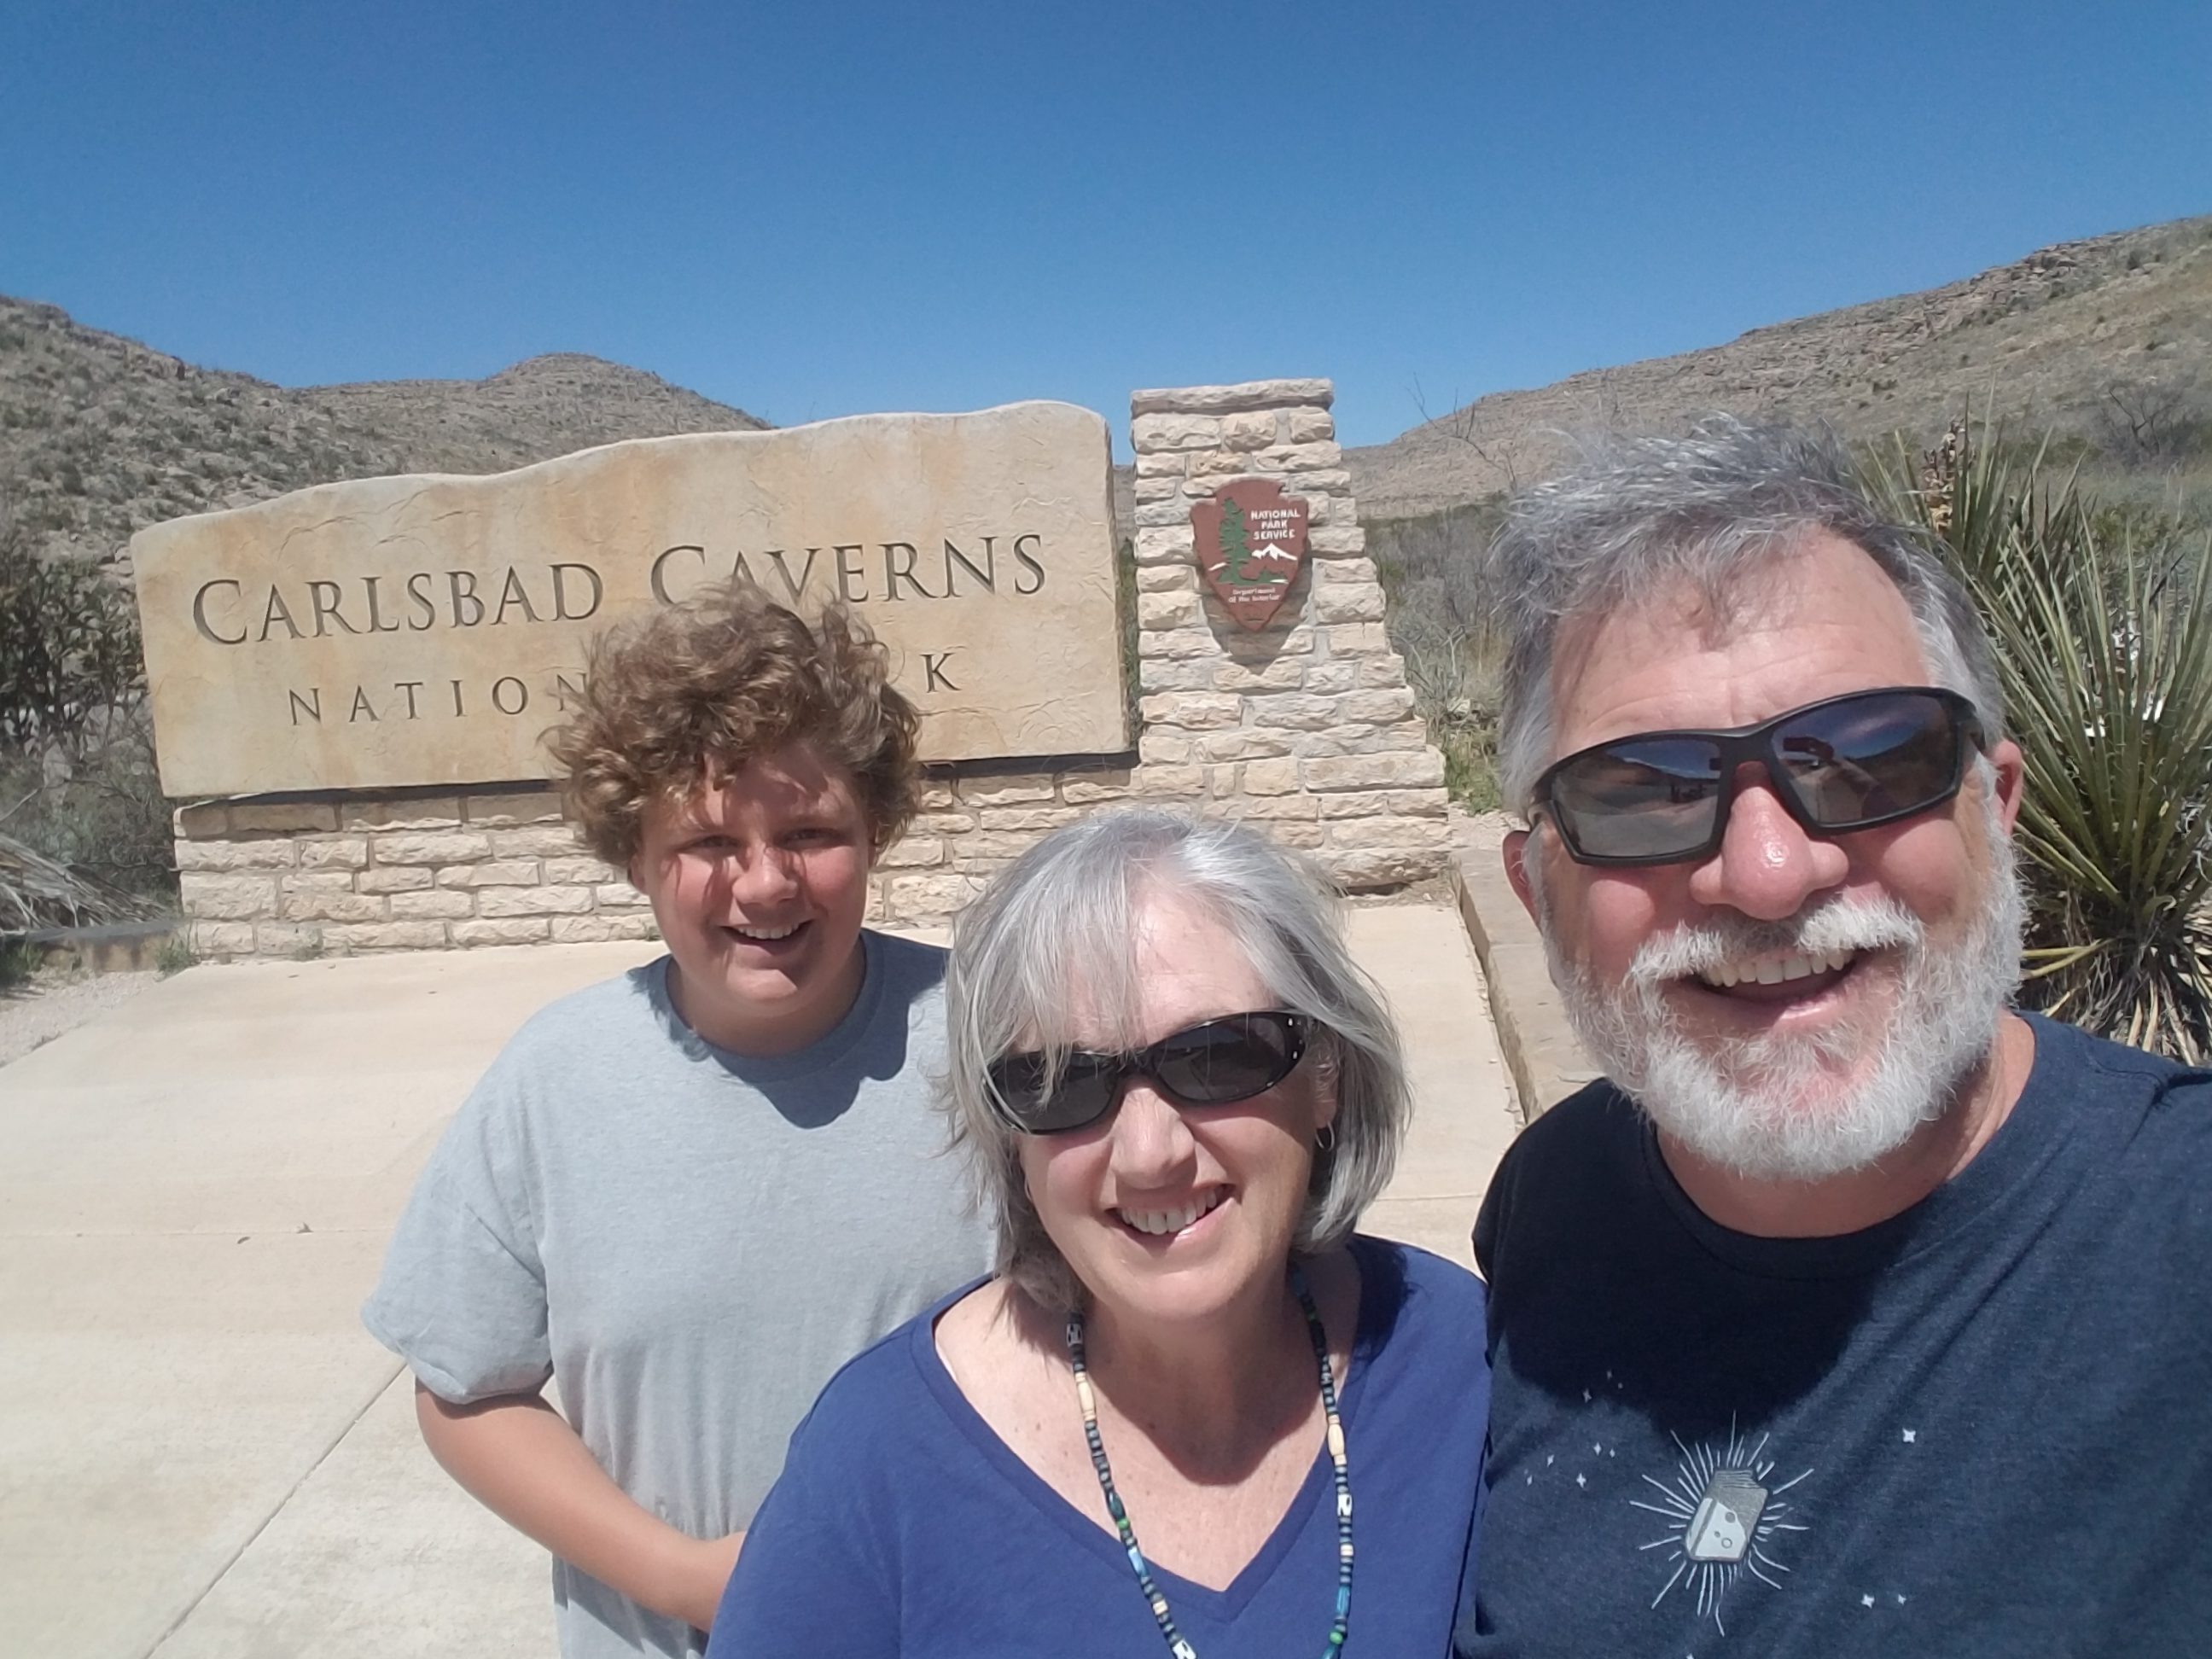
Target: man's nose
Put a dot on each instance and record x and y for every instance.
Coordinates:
(765, 876)
(1768, 865)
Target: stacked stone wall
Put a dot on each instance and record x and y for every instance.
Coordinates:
(1305, 727)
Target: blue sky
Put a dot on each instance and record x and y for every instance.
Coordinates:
(822, 209)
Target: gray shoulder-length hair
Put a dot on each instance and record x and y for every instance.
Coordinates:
(1714, 508)
(1061, 920)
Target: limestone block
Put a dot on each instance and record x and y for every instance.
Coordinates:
(1360, 638)
(1297, 458)
(1289, 833)
(1325, 540)
(1164, 748)
(316, 881)
(1379, 707)
(346, 853)
(221, 941)
(1152, 433)
(1222, 399)
(1177, 610)
(452, 847)
(571, 872)
(1144, 490)
(1388, 832)
(928, 898)
(1358, 803)
(1033, 819)
(282, 817)
(598, 930)
(494, 903)
(226, 898)
(1358, 869)
(1329, 678)
(1222, 781)
(1095, 788)
(1167, 578)
(554, 841)
(1353, 602)
(1019, 790)
(1381, 672)
(397, 879)
(1295, 711)
(941, 823)
(1273, 809)
(1259, 649)
(1422, 768)
(1419, 803)
(1168, 544)
(441, 904)
(1336, 482)
(1167, 515)
(1185, 674)
(287, 939)
(937, 794)
(617, 895)
(1192, 710)
(1285, 674)
(1178, 643)
(334, 907)
(221, 855)
(387, 936)
(1271, 777)
(496, 872)
(1168, 782)
(1309, 426)
(511, 812)
(519, 930)
(1248, 431)
(1353, 739)
(1163, 466)
(912, 853)
(208, 820)
(429, 812)
(1244, 745)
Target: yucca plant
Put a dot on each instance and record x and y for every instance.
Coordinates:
(2107, 659)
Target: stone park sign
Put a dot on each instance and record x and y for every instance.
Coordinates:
(389, 632)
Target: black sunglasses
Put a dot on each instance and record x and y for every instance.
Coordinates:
(1214, 1064)
(1842, 763)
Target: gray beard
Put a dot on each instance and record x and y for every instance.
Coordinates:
(1772, 1107)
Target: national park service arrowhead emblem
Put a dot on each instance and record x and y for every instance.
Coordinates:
(1251, 542)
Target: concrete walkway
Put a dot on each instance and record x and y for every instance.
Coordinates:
(201, 1454)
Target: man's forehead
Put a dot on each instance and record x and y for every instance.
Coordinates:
(778, 783)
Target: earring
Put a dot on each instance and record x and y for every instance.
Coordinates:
(1324, 1138)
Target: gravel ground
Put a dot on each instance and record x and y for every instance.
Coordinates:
(49, 1005)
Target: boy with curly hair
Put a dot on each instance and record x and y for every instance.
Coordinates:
(686, 1195)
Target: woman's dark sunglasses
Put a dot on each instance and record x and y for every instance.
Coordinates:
(1216, 1064)
(1843, 764)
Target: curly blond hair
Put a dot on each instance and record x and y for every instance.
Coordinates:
(681, 697)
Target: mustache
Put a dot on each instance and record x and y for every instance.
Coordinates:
(1872, 923)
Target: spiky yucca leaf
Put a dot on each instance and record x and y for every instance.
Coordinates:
(2107, 668)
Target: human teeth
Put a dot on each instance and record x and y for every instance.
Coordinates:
(1159, 1222)
(766, 933)
(1773, 971)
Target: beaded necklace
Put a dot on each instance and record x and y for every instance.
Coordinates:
(1177, 1645)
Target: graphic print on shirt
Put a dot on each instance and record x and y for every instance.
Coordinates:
(1723, 1517)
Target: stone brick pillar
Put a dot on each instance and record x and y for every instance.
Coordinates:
(1307, 725)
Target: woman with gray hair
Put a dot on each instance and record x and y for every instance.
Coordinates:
(1179, 1093)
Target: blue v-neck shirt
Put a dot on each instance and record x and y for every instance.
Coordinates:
(903, 1526)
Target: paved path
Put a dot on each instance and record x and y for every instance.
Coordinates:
(201, 1454)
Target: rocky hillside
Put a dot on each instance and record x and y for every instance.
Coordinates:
(100, 435)
(2107, 340)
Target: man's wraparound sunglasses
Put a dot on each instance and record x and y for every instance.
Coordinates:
(1216, 1064)
(1842, 763)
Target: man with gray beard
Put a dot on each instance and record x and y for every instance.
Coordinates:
(1854, 1313)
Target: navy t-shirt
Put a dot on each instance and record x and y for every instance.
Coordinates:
(903, 1526)
(1982, 1427)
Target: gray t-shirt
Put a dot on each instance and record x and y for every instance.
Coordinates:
(688, 1242)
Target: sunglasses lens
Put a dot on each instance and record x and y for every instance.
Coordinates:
(1639, 799)
(1870, 758)
(1041, 1106)
(1228, 1059)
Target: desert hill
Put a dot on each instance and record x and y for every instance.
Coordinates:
(2108, 340)
(100, 435)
